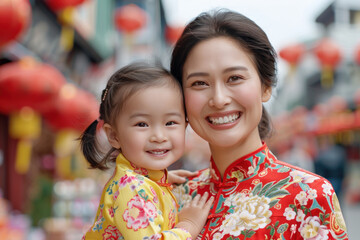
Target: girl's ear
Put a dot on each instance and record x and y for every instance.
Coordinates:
(111, 136)
(266, 94)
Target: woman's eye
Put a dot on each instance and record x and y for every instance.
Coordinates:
(235, 78)
(141, 124)
(170, 123)
(199, 83)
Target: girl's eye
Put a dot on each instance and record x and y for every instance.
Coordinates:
(141, 124)
(170, 123)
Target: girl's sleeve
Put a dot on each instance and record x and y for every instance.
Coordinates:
(138, 215)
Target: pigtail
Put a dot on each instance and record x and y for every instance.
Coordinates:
(265, 125)
(89, 147)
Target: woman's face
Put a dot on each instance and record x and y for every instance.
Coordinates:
(223, 93)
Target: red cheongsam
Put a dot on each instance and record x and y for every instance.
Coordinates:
(260, 197)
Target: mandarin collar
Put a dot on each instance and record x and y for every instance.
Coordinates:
(243, 168)
(158, 176)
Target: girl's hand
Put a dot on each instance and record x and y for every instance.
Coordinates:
(179, 176)
(193, 215)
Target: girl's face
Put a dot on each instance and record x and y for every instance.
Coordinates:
(150, 128)
(223, 94)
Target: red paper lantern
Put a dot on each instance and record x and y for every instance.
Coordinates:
(129, 18)
(58, 5)
(329, 56)
(172, 34)
(28, 83)
(292, 54)
(15, 16)
(72, 109)
(328, 53)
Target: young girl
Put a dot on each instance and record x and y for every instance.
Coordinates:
(144, 120)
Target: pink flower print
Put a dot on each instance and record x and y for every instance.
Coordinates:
(116, 194)
(139, 213)
(155, 199)
(311, 229)
(111, 212)
(153, 237)
(126, 180)
(172, 219)
(139, 170)
(112, 233)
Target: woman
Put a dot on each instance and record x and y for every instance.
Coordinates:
(226, 66)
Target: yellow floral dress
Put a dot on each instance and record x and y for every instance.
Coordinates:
(260, 197)
(136, 203)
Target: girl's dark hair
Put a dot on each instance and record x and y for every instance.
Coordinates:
(226, 23)
(121, 85)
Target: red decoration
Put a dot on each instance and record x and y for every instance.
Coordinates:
(357, 55)
(129, 18)
(172, 34)
(292, 54)
(58, 5)
(72, 109)
(328, 53)
(28, 83)
(15, 16)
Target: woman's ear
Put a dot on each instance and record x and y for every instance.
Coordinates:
(266, 95)
(112, 136)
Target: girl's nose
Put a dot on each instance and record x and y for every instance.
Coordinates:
(220, 97)
(158, 135)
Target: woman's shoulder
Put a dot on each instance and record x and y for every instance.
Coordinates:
(302, 176)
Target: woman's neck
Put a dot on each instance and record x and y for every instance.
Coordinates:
(224, 156)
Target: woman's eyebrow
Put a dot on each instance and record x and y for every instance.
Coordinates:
(242, 68)
(197, 74)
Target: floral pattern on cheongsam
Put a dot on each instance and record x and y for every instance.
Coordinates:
(260, 197)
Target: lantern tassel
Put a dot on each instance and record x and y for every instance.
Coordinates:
(66, 16)
(23, 156)
(327, 77)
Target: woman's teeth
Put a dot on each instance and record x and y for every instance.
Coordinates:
(223, 120)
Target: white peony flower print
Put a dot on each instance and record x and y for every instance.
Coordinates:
(250, 212)
(311, 229)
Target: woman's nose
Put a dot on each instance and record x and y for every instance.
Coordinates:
(220, 97)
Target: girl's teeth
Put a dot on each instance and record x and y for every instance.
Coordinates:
(224, 120)
(158, 152)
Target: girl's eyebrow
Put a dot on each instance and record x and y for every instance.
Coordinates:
(229, 69)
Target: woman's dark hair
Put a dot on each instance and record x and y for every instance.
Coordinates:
(226, 23)
(121, 85)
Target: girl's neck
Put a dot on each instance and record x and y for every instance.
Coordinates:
(224, 156)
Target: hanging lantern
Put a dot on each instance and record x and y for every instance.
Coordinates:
(58, 5)
(65, 11)
(15, 16)
(329, 56)
(72, 109)
(292, 54)
(28, 83)
(129, 18)
(172, 33)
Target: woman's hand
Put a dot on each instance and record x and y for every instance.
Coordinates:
(193, 215)
(179, 176)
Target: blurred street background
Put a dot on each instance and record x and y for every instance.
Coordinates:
(57, 55)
